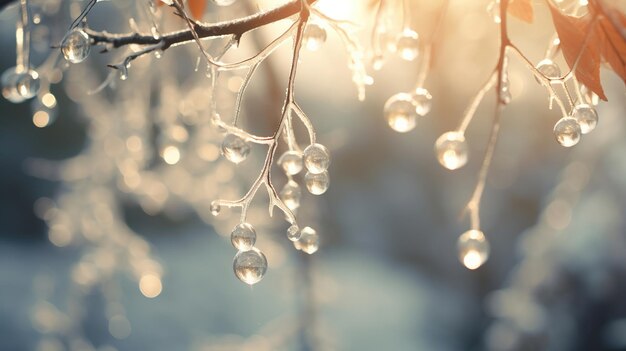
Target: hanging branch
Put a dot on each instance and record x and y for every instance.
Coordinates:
(473, 206)
(289, 106)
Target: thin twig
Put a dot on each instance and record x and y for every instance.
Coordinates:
(473, 205)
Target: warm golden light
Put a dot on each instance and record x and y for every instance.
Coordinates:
(150, 285)
(171, 155)
(48, 100)
(41, 119)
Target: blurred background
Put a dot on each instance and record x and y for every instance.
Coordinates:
(107, 242)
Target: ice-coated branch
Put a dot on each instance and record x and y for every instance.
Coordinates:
(235, 28)
(265, 178)
(473, 205)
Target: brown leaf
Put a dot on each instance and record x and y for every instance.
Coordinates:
(581, 47)
(522, 9)
(613, 43)
(197, 7)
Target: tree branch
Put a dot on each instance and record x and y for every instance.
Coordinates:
(204, 30)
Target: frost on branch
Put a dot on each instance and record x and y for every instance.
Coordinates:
(171, 101)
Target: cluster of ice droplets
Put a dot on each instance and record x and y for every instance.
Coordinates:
(249, 264)
(76, 46)
(582, 119)
(291, 162)
(316, 161)
(19, 85)
(473, 248)
(402, 110)
(569, 129)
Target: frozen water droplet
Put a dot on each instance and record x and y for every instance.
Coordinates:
(567, 131)
(314, 36)
(473, 248)
(235, 149)
(76, 46)
(408, 45)
(316, 158)
(291, 162)
(291, 194)
(423, 101)
(243, 237)
(317, 184)
(309, 241)
(451, 149)
(586, 116)
(293, 233)
(215, 208)
(401, 112)
(250, 266)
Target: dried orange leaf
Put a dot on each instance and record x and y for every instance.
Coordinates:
(613, 43)
(581, 47)
(522, 9)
